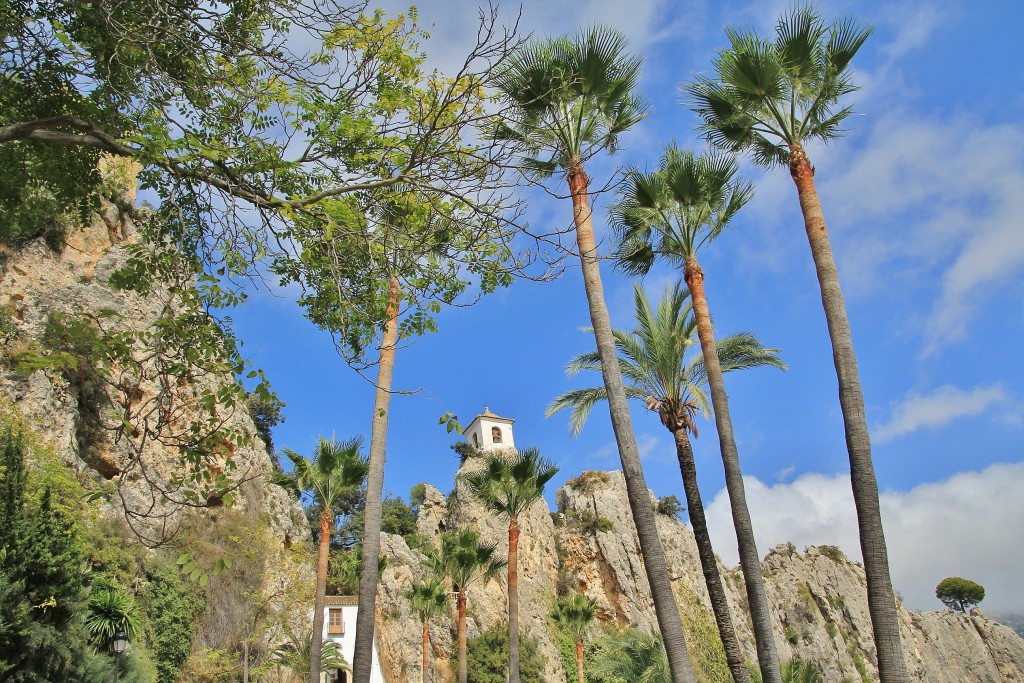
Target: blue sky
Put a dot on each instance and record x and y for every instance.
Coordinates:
(924, 198)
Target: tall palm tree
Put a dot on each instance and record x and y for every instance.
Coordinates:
(427, 599)
(771, 98)
(672, 213)
(508, 485)
(463, 558)
(659, 371)
(567, 101)
(336, 469)
(575, 612)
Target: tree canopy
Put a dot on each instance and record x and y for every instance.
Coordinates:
(959, 594)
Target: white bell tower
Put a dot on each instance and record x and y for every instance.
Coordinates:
(489, 432)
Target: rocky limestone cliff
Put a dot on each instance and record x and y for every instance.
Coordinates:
(818, 598)
(35, 283)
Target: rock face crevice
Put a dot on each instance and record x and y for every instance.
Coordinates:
(818, 597)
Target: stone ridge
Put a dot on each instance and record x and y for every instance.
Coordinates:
(818, 597)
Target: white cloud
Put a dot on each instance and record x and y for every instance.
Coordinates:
(968, 525)
(947, 403)
(931, 205)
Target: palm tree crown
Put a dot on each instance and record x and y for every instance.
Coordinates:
(770, 97)
(575, 612)
(572, 97)
(656, 364)
(427, 599)
(675, 210)
(509, 485)
(336, 469)
(464, 558)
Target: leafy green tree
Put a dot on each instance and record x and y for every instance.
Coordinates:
(671, 214)
(42, 555)
(407, 257)
(171, 604)
(569, 99)
(464, 558)
(148, 82)
(335, 469)
(631, 655)
(508, 485)
(488, 657)
(575, 613)
(771, 98)
(658, 371)
(959, 594)
(427, 599)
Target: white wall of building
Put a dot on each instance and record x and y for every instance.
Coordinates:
(347, 639)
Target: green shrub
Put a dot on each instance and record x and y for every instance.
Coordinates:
(588, 482)
(832, 552)
(487, 657)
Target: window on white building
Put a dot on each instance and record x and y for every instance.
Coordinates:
(335, 623)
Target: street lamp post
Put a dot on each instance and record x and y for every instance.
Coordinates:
(120, 642)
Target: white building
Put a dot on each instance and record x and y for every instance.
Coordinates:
(340, 626)
(489, 432)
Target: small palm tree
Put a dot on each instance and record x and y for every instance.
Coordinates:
(660, 372)
(569, 100)
(632, 656)
(336, 469)
(295, 654)
(671, 214)
(771, 98)
(575, 613)
(110, 611)
(463, 558)
(508, 486)
(427, 599)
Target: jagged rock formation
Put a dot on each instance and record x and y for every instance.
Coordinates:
(35, 283)
(818, 598)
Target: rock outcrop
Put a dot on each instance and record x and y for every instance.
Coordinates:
(818, 597)
(142, 455)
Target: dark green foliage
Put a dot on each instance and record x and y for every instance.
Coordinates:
(398, 518)
(171, 605)
(959, 594)
(671, 506)
(42, 586)
(487, 657)
(265, 410)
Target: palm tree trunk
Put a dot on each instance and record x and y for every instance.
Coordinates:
(460, 602)
(708, 561)
(426, 650)
(881, 599)
(321, 596)
(513, 600)
(362, 656)
(636, 488)
(750, 560)
(579, 660)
